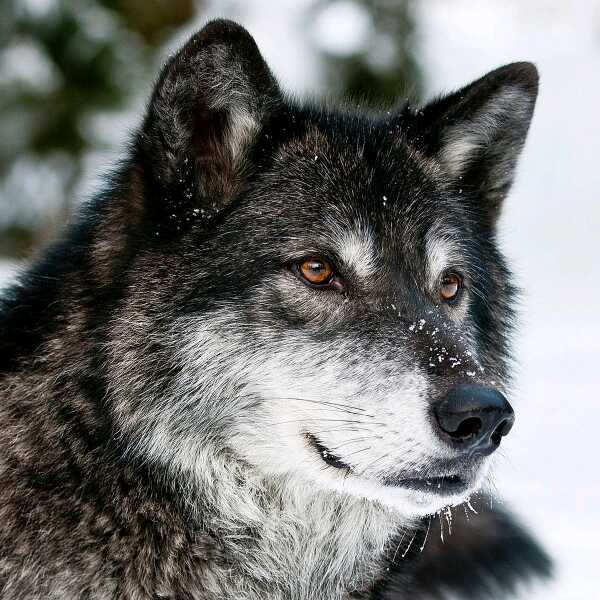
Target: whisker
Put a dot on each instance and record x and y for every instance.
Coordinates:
(318, 432)
(373, 462)
(337, 405)
(349, 428)
(426, 534)
(398, 547)
(354, 440)
(357, 451)
(412, 539)
(317, 410)
(311, 419)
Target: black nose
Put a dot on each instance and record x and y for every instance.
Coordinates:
(474, 418)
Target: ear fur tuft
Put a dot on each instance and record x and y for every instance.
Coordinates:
(208, 105)
(477, 133)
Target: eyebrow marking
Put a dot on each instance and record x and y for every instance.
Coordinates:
(356, 249)
(441, 252)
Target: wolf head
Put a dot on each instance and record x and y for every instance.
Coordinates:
(312, 292)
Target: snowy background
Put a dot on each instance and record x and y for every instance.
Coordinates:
(548, 471)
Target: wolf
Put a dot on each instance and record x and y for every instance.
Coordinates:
(272, 358)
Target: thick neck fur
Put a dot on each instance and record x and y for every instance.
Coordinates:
(288, 540)
(281, 539)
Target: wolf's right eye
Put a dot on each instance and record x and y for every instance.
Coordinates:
(317, 272)
(450, 287)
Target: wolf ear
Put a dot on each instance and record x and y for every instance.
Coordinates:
(206, 110)
(477, 133)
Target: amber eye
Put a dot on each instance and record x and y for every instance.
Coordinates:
(316, 270)
(450, 287)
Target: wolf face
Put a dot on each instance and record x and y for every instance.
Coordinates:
(314, 293)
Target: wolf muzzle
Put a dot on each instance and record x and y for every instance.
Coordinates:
(473, 418)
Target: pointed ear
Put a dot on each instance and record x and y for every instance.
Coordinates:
(477, 133)
(207, 108)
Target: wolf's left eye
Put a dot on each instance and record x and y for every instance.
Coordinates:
(316, 270)
(450, 287)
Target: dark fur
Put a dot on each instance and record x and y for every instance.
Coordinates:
(480, 555)
(82, 517)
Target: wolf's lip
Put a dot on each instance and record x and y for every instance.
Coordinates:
(441, 486)
(326, 455)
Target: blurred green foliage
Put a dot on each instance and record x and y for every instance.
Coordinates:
(94, 51)
(384, 68)
(62, 62)
(65, 63)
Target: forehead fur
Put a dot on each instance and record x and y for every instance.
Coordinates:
(353, 178)
(355, 159)
(383, 138)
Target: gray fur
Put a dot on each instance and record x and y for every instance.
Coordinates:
(164, 369)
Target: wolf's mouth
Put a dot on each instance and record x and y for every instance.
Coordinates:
(442, 485)
(326, 455)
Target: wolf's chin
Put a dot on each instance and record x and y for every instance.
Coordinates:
(410, 500)
(412, 494)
